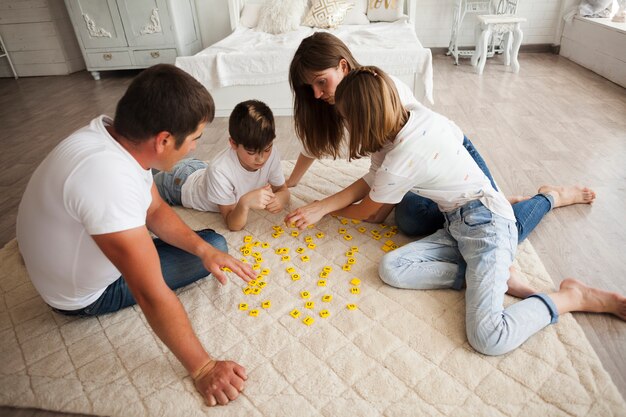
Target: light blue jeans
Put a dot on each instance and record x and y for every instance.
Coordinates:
(477, 246)
(170, 184)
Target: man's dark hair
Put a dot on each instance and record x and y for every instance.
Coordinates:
(251, 124)
(163, 98)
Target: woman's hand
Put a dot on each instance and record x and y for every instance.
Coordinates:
(306, 215)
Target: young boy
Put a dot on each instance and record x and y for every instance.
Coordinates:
(247, 175)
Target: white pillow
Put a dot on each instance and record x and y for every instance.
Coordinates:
(279, 16)
(358, 14)
(327, 13)
(250, 15)
(385, 10)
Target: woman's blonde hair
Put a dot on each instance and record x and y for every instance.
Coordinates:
(371, 109)
(317, 123)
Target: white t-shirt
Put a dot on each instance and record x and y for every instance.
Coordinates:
(406, 98)
(88, 185)
(428, 158)
(224, 181)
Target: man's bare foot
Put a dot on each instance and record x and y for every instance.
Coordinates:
(594, 300)
(517, 198)
(565, 196)
(517, 287)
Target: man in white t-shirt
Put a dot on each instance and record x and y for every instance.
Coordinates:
(94, 199)
(247, 175)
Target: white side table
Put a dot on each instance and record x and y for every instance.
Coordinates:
(498, 24)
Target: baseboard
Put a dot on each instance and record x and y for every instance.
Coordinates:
(536, 47)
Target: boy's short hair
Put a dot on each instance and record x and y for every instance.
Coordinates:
(251, 124)
(163, 98)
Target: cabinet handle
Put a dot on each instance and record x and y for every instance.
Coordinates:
(155, 54)
(107, 57)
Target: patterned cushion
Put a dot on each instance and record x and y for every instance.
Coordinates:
(385, 10)
(327, 13)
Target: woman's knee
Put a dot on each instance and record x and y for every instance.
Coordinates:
(486, 342)
(387, 269)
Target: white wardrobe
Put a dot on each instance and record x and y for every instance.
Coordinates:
(122, 34)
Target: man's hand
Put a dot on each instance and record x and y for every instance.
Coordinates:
(214, 260)
(220, 382)
(259, 198)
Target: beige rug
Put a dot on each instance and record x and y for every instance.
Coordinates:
(400, 353)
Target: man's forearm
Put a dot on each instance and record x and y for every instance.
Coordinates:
(170, 322)
(170, 228)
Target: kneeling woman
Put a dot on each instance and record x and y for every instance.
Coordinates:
(421, 150)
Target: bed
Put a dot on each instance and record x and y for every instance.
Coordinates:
(253, 64)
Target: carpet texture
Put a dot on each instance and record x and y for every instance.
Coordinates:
(399, 353)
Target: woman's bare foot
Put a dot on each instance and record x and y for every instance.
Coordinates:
(517, 287)
(592, 300)
(565, 196)
(517, 198)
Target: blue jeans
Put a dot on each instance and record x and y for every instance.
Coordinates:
(420, 216)
(487, 243)
(179, 269)
(170, 184)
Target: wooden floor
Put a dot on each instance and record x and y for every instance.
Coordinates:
(554, 122)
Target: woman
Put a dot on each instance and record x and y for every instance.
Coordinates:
(320, 63)
(421, 150)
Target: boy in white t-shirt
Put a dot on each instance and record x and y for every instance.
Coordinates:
(247, 175)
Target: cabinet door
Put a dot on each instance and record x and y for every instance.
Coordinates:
(146, 22)
(97, 22)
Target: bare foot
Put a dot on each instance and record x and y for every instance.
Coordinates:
(517, 198)
(517, 287)
(594, 300)
(565, 196)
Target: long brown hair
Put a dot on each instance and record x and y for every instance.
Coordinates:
(317, 123)
(370, 106)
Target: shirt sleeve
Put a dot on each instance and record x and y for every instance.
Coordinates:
(107, 197)
(276, 175)
(219, 188)
(389, 188)
(376, 161)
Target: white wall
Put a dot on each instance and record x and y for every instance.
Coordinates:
(433, 22)
(39, 38)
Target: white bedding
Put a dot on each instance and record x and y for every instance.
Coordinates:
(249, 57)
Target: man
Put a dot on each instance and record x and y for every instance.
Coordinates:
(84, 221)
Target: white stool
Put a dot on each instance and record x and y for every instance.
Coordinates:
(501, 24)
(4, 53)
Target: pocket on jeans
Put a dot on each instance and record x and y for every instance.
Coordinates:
(477, 217)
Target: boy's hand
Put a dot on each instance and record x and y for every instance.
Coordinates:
(274, 206)
(259, 198)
